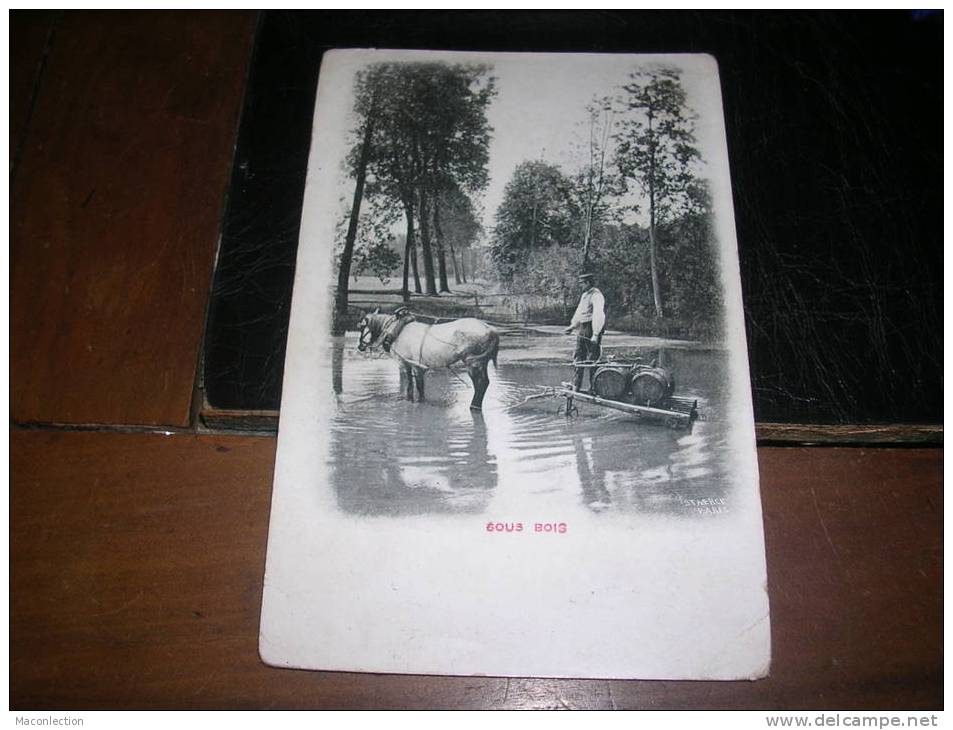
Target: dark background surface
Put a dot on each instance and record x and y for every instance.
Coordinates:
(834, 125)
(137, 539)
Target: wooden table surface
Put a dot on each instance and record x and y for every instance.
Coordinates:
(137, 544)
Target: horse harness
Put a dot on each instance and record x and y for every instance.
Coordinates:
(392, 329)
(387, 332)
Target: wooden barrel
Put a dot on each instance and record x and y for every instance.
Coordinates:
(650, 386)
(611, 382)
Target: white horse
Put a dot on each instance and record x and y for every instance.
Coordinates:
(419, 347)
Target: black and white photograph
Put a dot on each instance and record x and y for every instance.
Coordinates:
(410, 359)
(516, 403)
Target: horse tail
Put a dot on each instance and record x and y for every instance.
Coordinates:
(495, 347)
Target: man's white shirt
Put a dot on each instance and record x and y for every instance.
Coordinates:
(592, 307)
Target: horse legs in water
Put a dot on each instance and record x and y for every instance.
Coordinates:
(480, 383)
(407, 381)
(408, 376)
(418, 374)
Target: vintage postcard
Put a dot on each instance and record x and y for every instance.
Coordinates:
(516, 432)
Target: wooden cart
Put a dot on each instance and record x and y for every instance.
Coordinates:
(644, 391)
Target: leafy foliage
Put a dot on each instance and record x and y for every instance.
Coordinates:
(690, 262)
(461, 225)
(656, 152)
(594, 185)
(689, 271)
(656, 141)
(426, 154)
(538, 211)
(553, 272)
(379, 259)
(430, 135)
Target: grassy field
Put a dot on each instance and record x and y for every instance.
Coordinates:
(484, 300)
(366, 293)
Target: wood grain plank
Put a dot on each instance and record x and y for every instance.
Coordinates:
(137, 560)
(30, 33)
(115, 214)
(862, 434)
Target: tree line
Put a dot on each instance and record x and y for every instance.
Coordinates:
(639, 155)
(419, 157)
(419, 153)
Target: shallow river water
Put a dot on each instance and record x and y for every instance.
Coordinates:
(390, 456)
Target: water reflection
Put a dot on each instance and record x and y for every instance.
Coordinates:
(594, 492)
(337, 366)
(665, 472)
(390, 456)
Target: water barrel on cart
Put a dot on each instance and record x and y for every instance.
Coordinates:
(651, 386)
(611, 382)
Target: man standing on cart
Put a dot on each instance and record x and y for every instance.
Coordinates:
(588, 323)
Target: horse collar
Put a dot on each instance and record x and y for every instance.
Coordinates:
(392, 327)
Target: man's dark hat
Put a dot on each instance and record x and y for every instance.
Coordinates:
(586, 275)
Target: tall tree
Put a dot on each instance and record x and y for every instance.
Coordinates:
(457, 226)
(537, 211)
(366, 106)
(453, 145)
(594, 183)
(656, 151)
(441, 243)
(426, 244)
(411, 254)
(430, 131)
(392, 172)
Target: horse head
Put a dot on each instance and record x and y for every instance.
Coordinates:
(369, 328)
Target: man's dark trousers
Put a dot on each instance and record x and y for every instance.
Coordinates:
(586, 349)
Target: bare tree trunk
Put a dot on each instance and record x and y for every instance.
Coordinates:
(425, 248)
(587, 238)
(453, 253)
(587, 233)
(595, 189)
(456, 268)
(656, 293)
(344, 270)
(653, 244)
(409, 253)
(415, 265)
(463, 265)
(404, 291)
(441, 255)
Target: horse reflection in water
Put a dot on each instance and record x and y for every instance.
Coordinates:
(418, 347)
(390, 456)
(394, 457)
